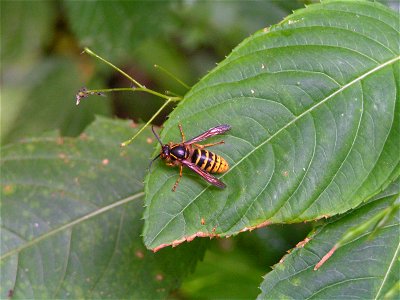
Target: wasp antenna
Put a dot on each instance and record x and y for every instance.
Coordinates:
(151, 163)
(157, 137)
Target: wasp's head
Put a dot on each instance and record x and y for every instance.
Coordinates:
(165, 151)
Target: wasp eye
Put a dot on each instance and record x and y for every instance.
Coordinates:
(165, 150)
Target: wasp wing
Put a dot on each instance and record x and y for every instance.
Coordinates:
(207, 176)
(209, 133)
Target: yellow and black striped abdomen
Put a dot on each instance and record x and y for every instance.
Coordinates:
(209, 161)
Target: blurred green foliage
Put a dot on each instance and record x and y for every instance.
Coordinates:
(233, 268)
(42, 64)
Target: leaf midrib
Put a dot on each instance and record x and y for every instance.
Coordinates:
(71, 224)
(388, 271)
(312, 108)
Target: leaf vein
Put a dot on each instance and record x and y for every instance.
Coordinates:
(73, 223)
(65, 267)
(332, 95)
(341, 282)
(313, 201)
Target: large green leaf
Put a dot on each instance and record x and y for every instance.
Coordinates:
(313, 105)
(366, 267)
(71, 219)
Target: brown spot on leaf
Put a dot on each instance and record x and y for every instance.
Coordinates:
(322, 217)
(302, 243)
(187, 239)
(263, 224)
(139, 254)
(84, 136)
(60, 140)
(283, 259)
(159, 277)
(64, 157)
(214, 229)
(8, 189)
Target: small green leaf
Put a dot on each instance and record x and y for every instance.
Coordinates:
(71, 213)
(366, 268)
(313, 105)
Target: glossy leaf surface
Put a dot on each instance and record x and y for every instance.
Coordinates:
(313, 105)
(71, 214)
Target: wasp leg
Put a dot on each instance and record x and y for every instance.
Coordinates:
(179, 178)
(181, 130)
(208, 145)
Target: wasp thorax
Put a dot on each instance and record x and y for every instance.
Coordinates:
(179, 152)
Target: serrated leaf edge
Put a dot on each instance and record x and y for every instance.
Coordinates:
(341, 89)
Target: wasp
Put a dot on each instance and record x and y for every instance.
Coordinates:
(195, 156)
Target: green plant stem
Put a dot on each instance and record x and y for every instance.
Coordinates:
(126, 143)
(172, 75)
(177, 98)
(90, 52)
(172, 93)
(139, 88)
(374, 222)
